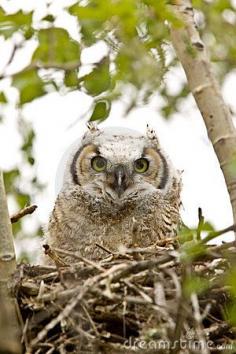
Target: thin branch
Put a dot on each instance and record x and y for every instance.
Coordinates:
(50, 65)
(52, 254)
(16, 46)
(130, 295)
(88, 284)
(104, 248)
(62, 315)
(200, 223)
(215, 234)
(20, 214)
(198, 319)
(77, 256)
(83, 305)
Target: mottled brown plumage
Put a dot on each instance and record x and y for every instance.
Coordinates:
(119, 189)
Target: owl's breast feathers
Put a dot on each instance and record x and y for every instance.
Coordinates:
(79, 221)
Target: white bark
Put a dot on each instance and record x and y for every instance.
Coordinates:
(193, 56)
(7, 252)
(9, 326)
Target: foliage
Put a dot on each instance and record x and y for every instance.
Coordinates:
(215, 16)
(138, 55)
(21, 190)
(136, 36)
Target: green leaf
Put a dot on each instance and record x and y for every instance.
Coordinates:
(3, 98)
(99, 79)
(91, 20)
(95, 11)
(9, 24)
(89, 30)
(29, 33)
(49, 18)
(231, 280)
(22, 200)
(71, 78)
(185, 234)
(31, 160)
(191, 250)
(57, 48)
(9, 179)
(28, 141)
(29, 85)
(16, 227)
(101, 110)
(230, 314)
(207, 226)
(194, 284)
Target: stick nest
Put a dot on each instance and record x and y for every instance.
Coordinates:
(157, 299)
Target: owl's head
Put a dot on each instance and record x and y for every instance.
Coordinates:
(117, 164)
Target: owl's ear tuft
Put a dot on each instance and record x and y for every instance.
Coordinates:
(92, 131)
(93, 127)
(151, 135)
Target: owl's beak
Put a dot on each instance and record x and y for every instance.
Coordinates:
(120, 180)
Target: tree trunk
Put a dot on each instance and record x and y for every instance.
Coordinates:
(192, 54)
(9, 325)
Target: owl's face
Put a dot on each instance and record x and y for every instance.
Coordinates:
(117, 164)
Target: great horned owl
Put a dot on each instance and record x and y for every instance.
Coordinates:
(119, 188)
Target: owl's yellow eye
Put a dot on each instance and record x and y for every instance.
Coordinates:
(98, 163)
(141, 165)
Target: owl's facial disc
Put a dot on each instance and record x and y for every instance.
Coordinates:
(120, 172)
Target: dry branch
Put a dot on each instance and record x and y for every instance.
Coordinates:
(125, 305)
(27, 210)
(9, 326)
(193, 56)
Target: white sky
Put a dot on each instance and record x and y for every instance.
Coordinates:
(184, 138)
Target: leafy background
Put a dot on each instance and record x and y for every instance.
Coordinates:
(42, 55)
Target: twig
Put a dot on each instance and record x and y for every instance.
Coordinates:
(77, 256)
(27, 210)
(24, 338)
(83, 305)
(215, 234)
(11, 58)
(198, 320)
(63, 314)
(180, 316)
(142, 265)
(200, 223)
(224, 246)
(104, 248)
(146, 297)
(73, 302)
(124, 309)
(50, 351)
(52, 254)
